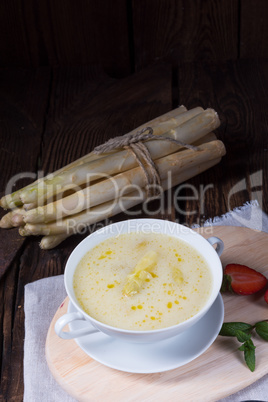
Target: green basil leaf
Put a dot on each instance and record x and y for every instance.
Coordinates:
(231, 328)
(242, 336)
(249, 354)
(262, 329)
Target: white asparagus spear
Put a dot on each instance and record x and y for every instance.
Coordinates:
(13, 200)
(190, 131)
(49, 242)
(17, 220)
(69, 226)
(207, 138)
(114, 163)
(110, 189)
(7, 220)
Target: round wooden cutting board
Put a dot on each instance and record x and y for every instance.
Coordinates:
(217, 373)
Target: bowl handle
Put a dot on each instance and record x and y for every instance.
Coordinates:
(220, 245)
(66, 319)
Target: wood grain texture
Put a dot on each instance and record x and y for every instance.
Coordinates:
(179, 30)
(253, 29)
(12, 324)
(23, 102)
(234, 90)
(14, 46)
(65, 33)
(86, 110)
(219, 372)
(122, 36)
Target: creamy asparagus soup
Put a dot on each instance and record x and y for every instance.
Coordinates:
(142, 281)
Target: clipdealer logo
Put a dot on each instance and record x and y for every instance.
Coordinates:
(126, 195)
(254, 187)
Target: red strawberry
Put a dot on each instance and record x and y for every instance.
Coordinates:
(266, 296)
(242, 280)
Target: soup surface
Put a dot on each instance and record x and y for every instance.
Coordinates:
(142, 281)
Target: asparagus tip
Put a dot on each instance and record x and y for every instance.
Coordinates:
(5, 223)
(3, 203)
(17, 220)
(50, 241)
(41, 245)
(22, 231)
(29, 206)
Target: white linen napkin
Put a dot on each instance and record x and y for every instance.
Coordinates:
(41, 301)
(43, 297)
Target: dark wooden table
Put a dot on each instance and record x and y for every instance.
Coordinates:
(49, 117)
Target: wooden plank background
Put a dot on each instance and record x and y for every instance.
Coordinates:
(24, 98)
(241, 119)
(124, 36)
(60, 96)
(185, 30)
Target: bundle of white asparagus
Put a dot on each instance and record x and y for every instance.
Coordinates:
(98, 186)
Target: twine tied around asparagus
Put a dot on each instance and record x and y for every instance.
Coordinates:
(135, 143)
